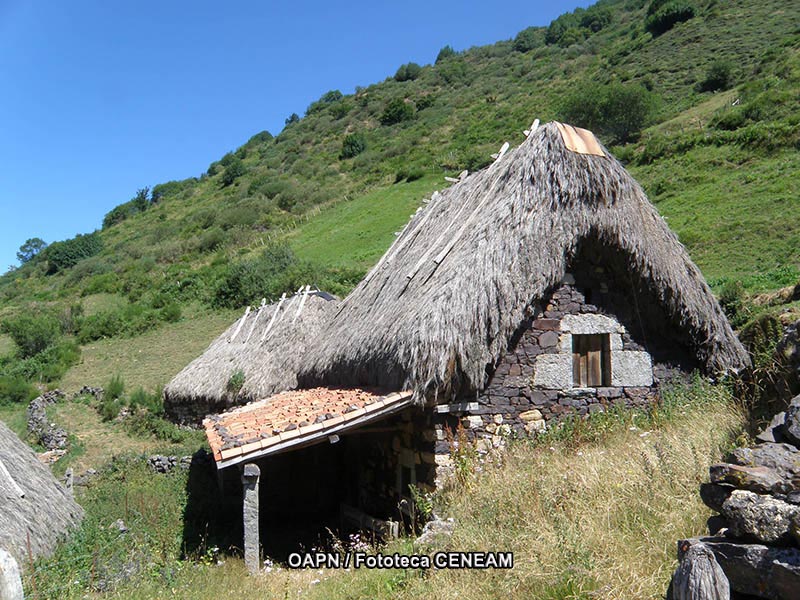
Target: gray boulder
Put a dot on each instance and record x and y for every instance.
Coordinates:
(774, 431)
(756, 569)
(699, 576)
(760, 518)
(756, 479)
(783, 459)
(791, 423)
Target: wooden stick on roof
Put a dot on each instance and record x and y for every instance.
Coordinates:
(533, 128)
(302, 303)
(274, 316)
(255, 319)
(241, 324)
(4, 472)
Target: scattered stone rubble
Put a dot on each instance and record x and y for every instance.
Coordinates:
(755, 539)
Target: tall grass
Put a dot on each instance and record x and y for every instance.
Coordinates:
(593, 510)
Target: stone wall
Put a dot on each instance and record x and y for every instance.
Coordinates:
(533, 382)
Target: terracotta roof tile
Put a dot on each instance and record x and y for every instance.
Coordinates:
(289, 415)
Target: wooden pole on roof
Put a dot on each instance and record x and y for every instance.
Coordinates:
(255, 319)
(274, 316)
(241, 324)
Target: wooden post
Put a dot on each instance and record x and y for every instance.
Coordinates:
(252, 554)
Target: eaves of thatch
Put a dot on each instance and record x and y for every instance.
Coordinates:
(445, 299)
(33, 505)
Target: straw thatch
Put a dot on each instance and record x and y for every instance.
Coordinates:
(267, 351)
(46, 511)
(440, 307)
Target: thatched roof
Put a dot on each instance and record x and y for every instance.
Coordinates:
(31, 501)
(446, 298)
(266, 344)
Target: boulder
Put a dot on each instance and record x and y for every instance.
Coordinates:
(791, 423)
(760, 518)
(783, 459)
(714, 495)
(774, 431)
(756, 479)
(755, 569)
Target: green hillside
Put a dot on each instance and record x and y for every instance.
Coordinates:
(700, 103)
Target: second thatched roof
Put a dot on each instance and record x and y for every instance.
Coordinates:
(443, 302)
(266, 345)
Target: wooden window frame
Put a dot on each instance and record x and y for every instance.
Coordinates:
(591, 360)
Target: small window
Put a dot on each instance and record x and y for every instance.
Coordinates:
(591, 360)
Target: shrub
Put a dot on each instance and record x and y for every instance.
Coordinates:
(445, 53)
(171, 313)
(326, 99)
(261, 137)
(248, 281)
(616, 110)
(211, 240)
(62, 255)
(235, 382)
(340, 109)
(718, 77)
(152, 403)
(397, 111)
(529, 39)
(234, 169)
(114, 388)
(408, 72)
(353, 145)
(667, 15)
(16, 389)
(425, 101)
(732, 302)
(32, 333)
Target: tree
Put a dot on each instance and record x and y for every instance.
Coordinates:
(408, 72)
(234, 169)
(30, 248)
(718, 77)
(529, 39)
(353, 145)
(615, 110)
(664, 15)
(397, 111)
(444, 53)
(292, 118)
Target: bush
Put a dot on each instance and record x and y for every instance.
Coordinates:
(445, 53)
(171, 313)
(667, 15)
(353, 145)
(62, 255)
(732, 302)
(718, 77)
(397, 111)
(616, 110)
(326, 99)
(529, 39)
(32, 333)
(211, 240)
(16, 389)
(408, 72)
(114, 388)
(235, 382)
(249, 281)
(234, 169)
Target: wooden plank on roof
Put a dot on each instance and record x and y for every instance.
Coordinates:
(4, 473)
(274, 317)
(581, 141)
(241, 324)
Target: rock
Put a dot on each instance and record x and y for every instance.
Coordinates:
(119, 525)
(699, 576)
(761, 518)
(548, 339)
(714, 495)
(784, 459)
(530, 415)
(774, 431)
(791, 423)
(756, 569)
(436, 534)
(755, 479)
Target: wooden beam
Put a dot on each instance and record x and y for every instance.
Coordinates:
(241, 324)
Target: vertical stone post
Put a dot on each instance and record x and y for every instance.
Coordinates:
(250, 477)
(10, 580)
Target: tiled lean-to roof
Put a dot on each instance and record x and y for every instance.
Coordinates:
(294, 418)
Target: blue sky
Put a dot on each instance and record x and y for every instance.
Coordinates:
(98, 99)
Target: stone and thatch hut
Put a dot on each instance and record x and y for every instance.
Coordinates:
(262, 349)
(543, 285)
(33, 505)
